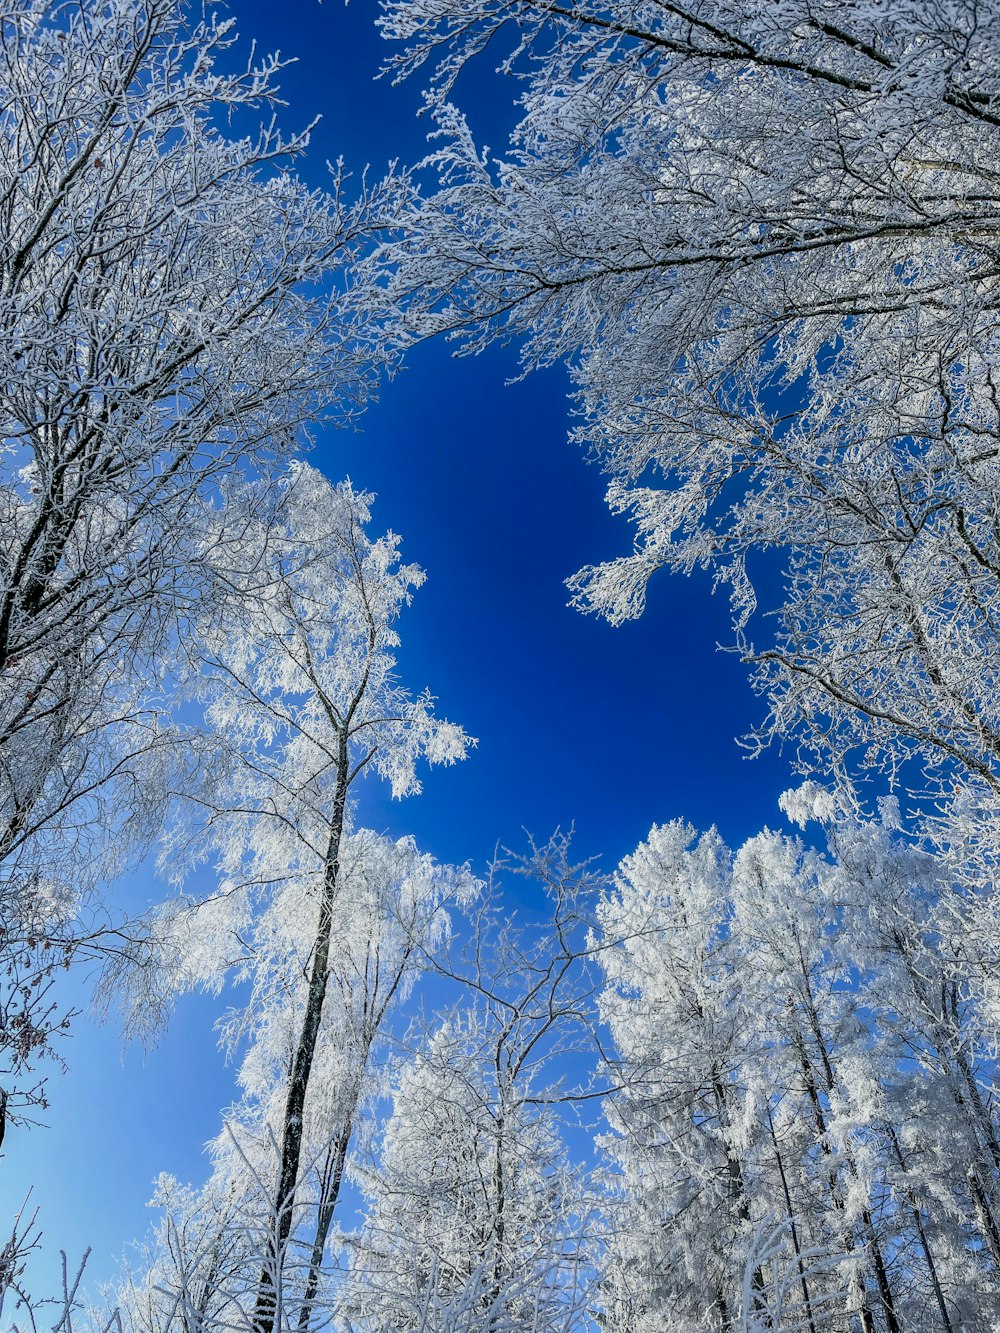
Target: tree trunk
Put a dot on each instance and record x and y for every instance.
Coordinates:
(333, 1177)
(791, 1222)
(289, 1164)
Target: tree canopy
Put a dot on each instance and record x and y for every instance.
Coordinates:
(700, 1088)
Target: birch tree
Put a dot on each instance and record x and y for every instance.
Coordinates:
(293, 666)
(202, 1267)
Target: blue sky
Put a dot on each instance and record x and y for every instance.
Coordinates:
(610, 729)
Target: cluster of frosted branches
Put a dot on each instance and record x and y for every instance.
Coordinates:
(468, 1210)
(763, 238)
(172, 312)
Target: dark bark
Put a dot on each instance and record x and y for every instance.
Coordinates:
(333, 1176)
(290, 1158)
(803, 1280)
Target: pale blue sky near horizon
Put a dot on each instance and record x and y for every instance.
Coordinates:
(578, 722)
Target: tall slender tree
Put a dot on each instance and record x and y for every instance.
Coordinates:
(478, 1218)
(202, 1268)
(293, 665)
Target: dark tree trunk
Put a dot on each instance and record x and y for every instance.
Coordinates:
(289, 1164)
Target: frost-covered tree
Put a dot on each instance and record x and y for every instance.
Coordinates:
(685, 1131)
(925, 1003)
(292, 663)
(817, 1053)
(761, 237)
(479, 1219)
(803, 1134)
(205, 1261)
(169, 308)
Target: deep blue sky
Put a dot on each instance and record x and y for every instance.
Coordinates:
(612, 729)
